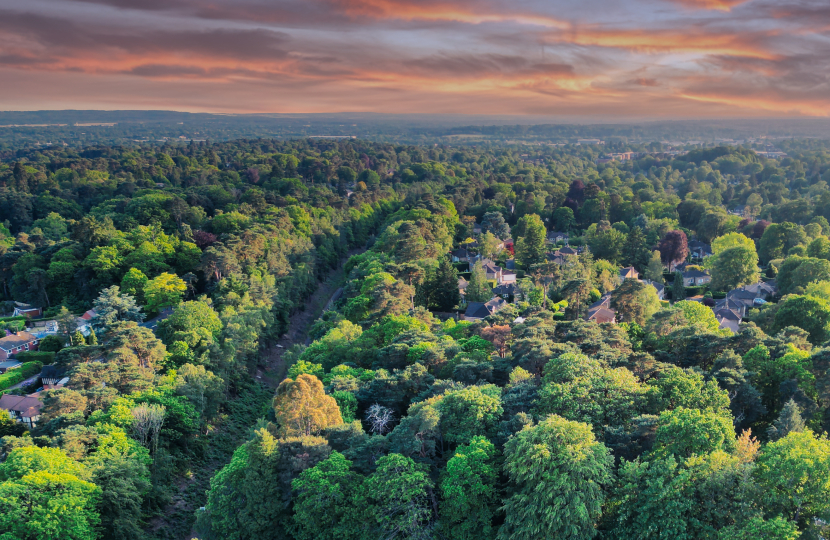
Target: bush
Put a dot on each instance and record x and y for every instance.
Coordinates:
(14, 376)
(44, 357)
(50, 343)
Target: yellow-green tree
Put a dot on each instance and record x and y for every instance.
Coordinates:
(303, 408)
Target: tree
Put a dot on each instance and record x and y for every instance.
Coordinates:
(468, 413)
(563, 219)
(777, 528)
(654, 270)
(478, 289)
(788, 421)
(557, 471)
(468, 490)
(398, 499)
(498, 336)
(673, 248)
(635, 301)
(678, 288)
(796, 273)
(636, 251)
(493, 222)
(811, 314)
(133, 284)
(734, 267)
(163, 291)
(43, 498)
(686, 432)
(92, 338)
(819, 248)
(778, 239)
(444, 293)
(78, 339)
(303, 408)
(329, 501)
(111, 307)
(794, 473)
(488, 245)
(696, 314)
(193, 323)
(531, 247)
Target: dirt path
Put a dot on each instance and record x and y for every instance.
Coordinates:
(274, 372)
(323, 298)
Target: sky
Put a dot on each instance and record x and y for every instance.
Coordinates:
(658, 59)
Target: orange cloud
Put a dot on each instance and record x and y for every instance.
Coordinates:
(720, 5)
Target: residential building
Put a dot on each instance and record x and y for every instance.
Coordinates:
(24, 409)
(42, 329)
(556, 237)
(52, 377)
(600, 311)
(492, 271)
(508, 290)
(477, 311)
(629, 273)
(15, 343)
(728, 319)
(462, 288)
(9, 365)
(696, 278)
(659, 287)
(26, 310)
(463, 255)
(699, 249)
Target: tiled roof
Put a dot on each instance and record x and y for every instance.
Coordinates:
(16, 340)
(27, 406)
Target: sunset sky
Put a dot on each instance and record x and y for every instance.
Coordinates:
(610, 58)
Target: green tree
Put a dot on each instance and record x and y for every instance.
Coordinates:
(788, 421)
(636, 251)
(776, 528)
(563, 219)
(469, 413)
(530, 248)
(819, 248)
(678, 288)
(329, 502)
(133, 284)
(685, 432)
(478, 289)
(794, 473)
(43, 498)
(443, 287)
(635, 301)
(398, 499)
(493, 222)
(165, 290)
(112, 306)
(468, 490)
(811, 314)
(778, 239)
(734, 267)
(194, 323)
(557, 471)
(654, 269)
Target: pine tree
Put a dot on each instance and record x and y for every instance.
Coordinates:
(92, 339)
(635, 251)
(78, 339)
(654, 270)
(678, 289)
(444, 294)
(788, 421)
(478, 289)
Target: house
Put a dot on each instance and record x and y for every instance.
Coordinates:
(600, 311)
(556, 237)
(52, 376)
(659, 287)
(728, 319)
(462, 255)
(25, 310)
(477, 311)
(629, 273)
(568, 251)
(696, 278)
(462, 287)
(476, 228)
(43, 328)
(699, 249)
(24, 409)
(507, 290)
(9, 365)
(510, 264)
(492, 271)
(15, 343)
(507, 277)
(743, 298)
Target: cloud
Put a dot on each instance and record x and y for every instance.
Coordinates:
(474, 56)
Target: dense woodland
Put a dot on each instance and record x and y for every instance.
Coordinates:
(398, 420)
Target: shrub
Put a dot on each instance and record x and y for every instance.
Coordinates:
(44, 357)
(14, 376)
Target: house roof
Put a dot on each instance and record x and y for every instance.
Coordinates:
(695, 273)
(727, 314)
(557, 258)
(510, 264)
(658, 286)
(89, 315)
(479, 310)
(507, 288)
(698, 245)
(629, 272)
(26, 406)
(16, 340)
(601, 313)
(462, 283)
(52, 372)
(604, 301)
(567, 251)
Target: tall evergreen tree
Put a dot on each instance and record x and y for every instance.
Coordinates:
(635, 251)
(531, 247)
(678, 289)
(444, 293)
(478, 290)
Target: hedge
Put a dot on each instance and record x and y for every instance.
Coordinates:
(14, 376)
(44, 357)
